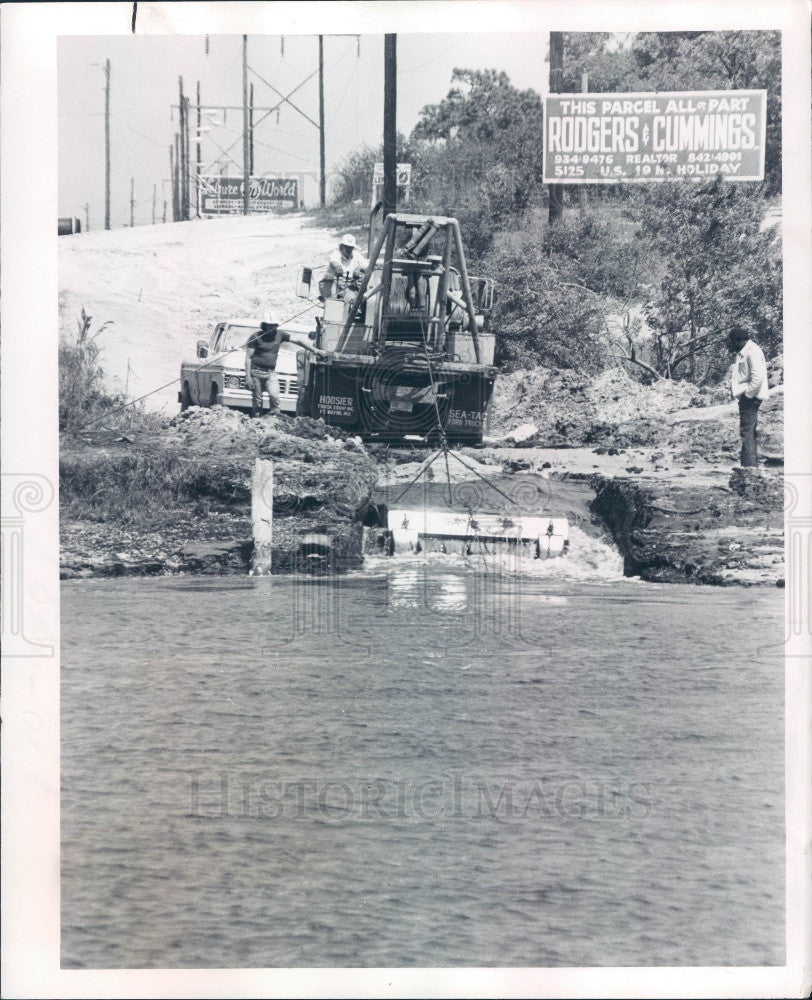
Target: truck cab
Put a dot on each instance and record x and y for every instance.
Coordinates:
(217, 375)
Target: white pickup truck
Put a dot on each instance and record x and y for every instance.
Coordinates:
(218, 374)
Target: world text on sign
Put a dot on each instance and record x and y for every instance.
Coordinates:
(618, 138)
(223, 195)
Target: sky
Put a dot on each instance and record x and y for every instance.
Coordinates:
(144, 83)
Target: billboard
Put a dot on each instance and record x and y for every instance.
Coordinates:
(218, 195)
(622, 138)
(404, 179)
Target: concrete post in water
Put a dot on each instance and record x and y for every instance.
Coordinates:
(262, 516)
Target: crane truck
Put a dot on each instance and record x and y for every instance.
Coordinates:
(408, 357)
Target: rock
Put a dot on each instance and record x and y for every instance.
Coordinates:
(759, 485)
(517, 465)
(694, 532)
(522, 433)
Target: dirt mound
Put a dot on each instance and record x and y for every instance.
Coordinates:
(569, 409)
(540, 408)
(717, 440)
(313, 466)
(180, 501)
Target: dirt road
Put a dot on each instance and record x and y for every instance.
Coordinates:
(163, 287)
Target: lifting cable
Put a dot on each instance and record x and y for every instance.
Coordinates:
(166, 385)
(444, 448)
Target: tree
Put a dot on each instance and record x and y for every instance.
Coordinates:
(717, 267)
(479, 152)
(685, 60)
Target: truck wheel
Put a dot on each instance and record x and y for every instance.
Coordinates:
(185, 397)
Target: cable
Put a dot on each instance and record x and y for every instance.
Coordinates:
(411, 69)
(166, 385)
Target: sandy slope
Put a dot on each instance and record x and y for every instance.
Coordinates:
(162, 287)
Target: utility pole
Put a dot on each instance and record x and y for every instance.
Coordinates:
(182, 165)
(556, 191)
(187, 177)
(173, 164)
(583, 195)
(107, 144)
(246, 152)
(322, 180)
(132, 202)
(251, 129)
(154, 198)
(87, 217)
(390, 178)
(198, 158)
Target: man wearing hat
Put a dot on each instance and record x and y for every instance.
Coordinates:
(345, 264)
(749, 385)
(261, 353)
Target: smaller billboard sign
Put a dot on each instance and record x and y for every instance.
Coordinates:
(219, 195)
(404, 182)
(622, 138)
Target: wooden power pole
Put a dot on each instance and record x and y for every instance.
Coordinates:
(251, 129)
(198, 158)
(107, 144)
(187, 177)
(173, 163)
(246, 152)
(556, 191)
(322, 179)
(390, 168)
(583, 197)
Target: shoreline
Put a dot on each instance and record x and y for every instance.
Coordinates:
(699, 525)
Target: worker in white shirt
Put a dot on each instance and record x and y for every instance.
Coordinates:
(345, 265)
(749, 385)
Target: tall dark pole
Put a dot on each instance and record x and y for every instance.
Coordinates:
(390, 99)
(173, 159)
(322, 179)
(246, 152)
(172, 179)
(182, 158)
(107, 144)
(198, 158)
(251, 128)
(187, 152)
(556, 191)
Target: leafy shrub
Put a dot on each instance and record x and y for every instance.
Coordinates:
(542, 314)
(82, 398)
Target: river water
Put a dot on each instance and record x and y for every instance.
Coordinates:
(423, 764)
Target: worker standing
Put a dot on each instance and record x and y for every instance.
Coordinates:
(261, 353)
(748, 385)
(345, 265)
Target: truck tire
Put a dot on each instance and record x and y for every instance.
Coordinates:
(185, 397)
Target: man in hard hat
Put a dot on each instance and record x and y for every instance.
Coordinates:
(750, 386)
(345, 265)
(261, 353)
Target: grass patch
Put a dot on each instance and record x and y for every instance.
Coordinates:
(147, 486)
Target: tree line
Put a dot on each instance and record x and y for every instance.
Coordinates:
(650, 275)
